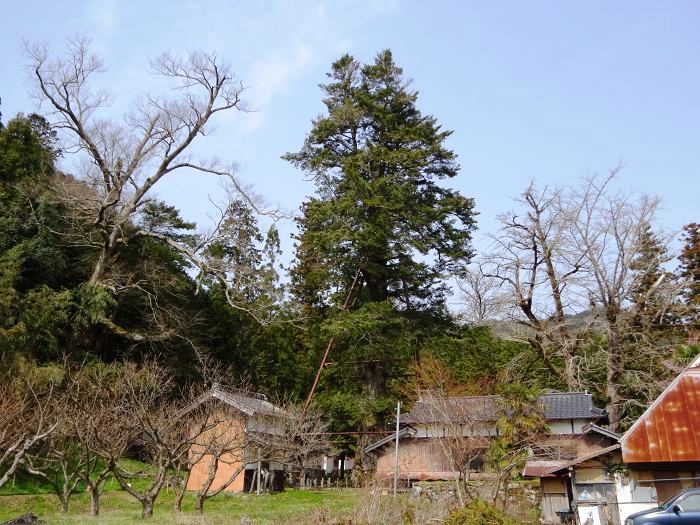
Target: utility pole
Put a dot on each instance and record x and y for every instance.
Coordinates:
(396, 448)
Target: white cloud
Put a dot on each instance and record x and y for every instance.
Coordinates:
(271, 75)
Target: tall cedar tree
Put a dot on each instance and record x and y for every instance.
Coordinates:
(690, 269)
(380, 213)
(377, 162)
(647, 310)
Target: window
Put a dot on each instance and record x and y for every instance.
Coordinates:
(594, 492)
(690, 503)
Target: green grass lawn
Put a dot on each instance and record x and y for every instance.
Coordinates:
(25, 484)
(297, 507)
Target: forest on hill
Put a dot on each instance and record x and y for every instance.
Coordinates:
(579, 289)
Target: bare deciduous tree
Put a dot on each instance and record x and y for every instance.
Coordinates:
(303, 440)
(535, 270)
(462, 432)
(111, 201)
(481, 297)
(27, 418)
(569, 266)
(608, 229)
(460, 428)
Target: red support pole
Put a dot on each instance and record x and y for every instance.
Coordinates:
(329, 346)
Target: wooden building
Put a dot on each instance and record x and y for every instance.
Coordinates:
(425, 429)
(661, 450)
(240, 421)
(582, 490)
(658, 456)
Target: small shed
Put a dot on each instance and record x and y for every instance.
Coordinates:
(243, 417)
(561, 479)
(662, 448)
(583, 489)
(658, 456)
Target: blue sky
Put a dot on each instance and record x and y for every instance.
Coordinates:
(549, 91)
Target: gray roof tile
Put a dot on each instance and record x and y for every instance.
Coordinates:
(556, 406)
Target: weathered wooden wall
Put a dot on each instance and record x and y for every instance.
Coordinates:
(418, 459)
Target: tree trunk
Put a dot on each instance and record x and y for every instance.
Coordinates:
(64, 503)
(94, 501)
(147, 511)
(181, 489)
(179, 495)
(613, 380)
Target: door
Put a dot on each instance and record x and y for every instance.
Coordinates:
(611, 512)
(668, 487)
(597, 503)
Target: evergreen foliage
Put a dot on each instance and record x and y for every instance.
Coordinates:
(381, 215)
(690, 268)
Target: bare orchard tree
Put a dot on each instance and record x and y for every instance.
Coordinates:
(58, 461)
(111, 202)
(219, 435)
(303, 440)
(158, 415)
(96, 416)
(225, 444)
(27, 418)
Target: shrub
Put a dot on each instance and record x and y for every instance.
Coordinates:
(479, 512)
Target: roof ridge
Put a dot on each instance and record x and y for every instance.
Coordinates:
(569, 393)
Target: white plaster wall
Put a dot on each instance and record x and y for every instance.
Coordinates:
(441, 431)
(623, 489)
(564, 426)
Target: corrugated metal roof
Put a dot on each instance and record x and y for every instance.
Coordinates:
(669, 430)
(556, 406)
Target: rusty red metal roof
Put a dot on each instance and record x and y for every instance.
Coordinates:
(669, 430)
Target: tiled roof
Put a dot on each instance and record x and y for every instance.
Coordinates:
(556, 406)
(581, 459)
(405, 431)
(247, 403)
